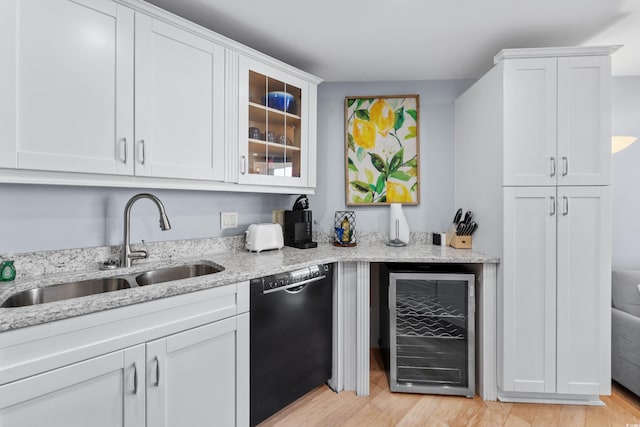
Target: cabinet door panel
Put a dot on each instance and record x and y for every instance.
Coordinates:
(584, 282)
(75, 85)
(197, 370)
(280, 147)
(179, 102)
(530, 122)
(95, 392)
(528, 290)
(8, 79)
(584, 120)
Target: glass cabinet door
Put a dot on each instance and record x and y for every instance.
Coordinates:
(275, 143)
(274, 127)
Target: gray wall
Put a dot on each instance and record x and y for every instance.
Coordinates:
(40, 217)
(625, 174)
(436, 154)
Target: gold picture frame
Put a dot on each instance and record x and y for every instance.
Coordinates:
(382, 150)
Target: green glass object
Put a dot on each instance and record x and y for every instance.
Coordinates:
(7, 271)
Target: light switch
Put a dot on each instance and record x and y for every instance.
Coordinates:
(228, 220)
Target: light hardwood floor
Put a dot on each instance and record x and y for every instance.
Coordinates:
(323, 407)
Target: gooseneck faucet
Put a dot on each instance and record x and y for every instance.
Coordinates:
(127, 253)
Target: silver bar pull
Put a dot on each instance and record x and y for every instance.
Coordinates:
(565, 166)
(125, 146)
(157, 384)
(243, 165)
(135, 378)
(553, 206)
(552, 161)
(565, 202)
(142, 152)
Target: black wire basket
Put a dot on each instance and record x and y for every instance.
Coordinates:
(344, 226)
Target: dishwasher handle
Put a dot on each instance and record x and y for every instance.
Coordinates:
(295, 285)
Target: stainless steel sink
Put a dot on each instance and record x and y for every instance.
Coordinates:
(66, 291)
(83, 288)
(176, 273)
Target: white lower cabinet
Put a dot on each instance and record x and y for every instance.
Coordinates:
(192, 376)
(555, 298)
(103, 391)
(198, 375)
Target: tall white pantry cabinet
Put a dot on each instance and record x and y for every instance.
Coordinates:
(533, 144)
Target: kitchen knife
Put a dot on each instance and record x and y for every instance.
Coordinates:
(474, 227)
(468, 216)
(467, 230)
(457, 216)
(463, 231)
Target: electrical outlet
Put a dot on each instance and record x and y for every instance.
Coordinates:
(228, 220)
(277, 217)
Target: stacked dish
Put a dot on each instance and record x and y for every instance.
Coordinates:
(279, 100)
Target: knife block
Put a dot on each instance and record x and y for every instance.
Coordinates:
(455, 241)
(460, 242)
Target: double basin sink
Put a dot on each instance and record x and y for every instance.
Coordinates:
(83, 288)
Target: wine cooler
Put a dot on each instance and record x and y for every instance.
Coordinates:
(428, 331)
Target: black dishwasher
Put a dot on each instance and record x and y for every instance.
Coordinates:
(291, 326)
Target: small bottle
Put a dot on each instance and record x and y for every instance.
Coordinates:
(346, 230)
(7, 271)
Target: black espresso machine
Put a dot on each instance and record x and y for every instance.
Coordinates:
(298, 225)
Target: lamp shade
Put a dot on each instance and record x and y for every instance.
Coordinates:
(619, 143)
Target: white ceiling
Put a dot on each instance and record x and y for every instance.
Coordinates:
(387, 40)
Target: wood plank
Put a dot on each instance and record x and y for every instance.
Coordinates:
(323, 407)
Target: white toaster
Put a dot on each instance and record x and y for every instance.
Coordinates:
(261, 237)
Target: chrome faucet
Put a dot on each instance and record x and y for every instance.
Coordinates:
(127, 253)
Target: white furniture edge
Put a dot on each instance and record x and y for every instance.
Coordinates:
(553, 399)
(22, 176)
(548, 52)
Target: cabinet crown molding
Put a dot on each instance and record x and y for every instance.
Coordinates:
(210, 33)
(547, 52)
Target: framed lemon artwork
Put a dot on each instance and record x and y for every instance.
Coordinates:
(382, 143)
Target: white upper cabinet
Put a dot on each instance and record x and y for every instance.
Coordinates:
(584, 120)
(277, 140)
(530, 121)
(556, 127)
(122, 93)
(69, 71)
(179, 127)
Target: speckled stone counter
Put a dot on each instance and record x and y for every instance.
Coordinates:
(63, 266)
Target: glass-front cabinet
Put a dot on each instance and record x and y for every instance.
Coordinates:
(276, 145)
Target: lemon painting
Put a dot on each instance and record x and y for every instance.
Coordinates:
(382, 145)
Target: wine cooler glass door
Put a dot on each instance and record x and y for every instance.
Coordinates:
(432, 333)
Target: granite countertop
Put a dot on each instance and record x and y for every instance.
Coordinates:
(239, 265)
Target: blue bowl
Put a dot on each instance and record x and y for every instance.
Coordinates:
(283, 101)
